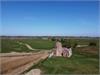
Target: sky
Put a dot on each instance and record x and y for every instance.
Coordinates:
(50, 18)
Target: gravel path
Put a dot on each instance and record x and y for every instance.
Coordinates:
(29, 47)
(17, 64)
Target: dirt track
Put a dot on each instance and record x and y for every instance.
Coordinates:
(19, 62)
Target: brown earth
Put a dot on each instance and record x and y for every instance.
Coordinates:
(17, 63)
(91, 50)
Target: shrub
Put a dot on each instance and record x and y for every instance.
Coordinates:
(92, 44)
(53, 39)
(75, 45)
(66, 42)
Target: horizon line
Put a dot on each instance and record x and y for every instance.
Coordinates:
(46, 35)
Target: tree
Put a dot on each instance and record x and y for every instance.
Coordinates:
(53, 39)
(92, 44)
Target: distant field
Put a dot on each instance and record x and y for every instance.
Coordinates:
(9, 45)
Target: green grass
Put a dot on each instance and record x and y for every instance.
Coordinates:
(9, 45)
(77, 64)
(39, 43)
(85, 60)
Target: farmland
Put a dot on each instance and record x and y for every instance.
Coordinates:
(85, 60)
(9, 45)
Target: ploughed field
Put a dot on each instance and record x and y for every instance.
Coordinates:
(85, 60)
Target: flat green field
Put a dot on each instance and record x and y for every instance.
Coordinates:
(85, 60)
(9, 45)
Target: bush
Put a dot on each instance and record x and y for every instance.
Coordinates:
(53, 39)
(92, 44)
(62, 41)
(66, 42)
(75, 45)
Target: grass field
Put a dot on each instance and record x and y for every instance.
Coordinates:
(85, 60)
(9, 45)
(80, 63)
(77, 64)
